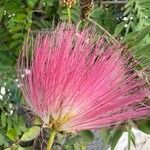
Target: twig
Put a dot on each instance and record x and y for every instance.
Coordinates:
(113, 2)
(104, 30)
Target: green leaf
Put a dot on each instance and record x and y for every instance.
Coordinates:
(24, 148)
(3, 119)
(129, 137)
(22, 124)
(9, 123)
(31, 3)
(104, 133)
(141, 50)
(21, 17)
(4, 59)
(30, 134)
(69, 147)
(20, 148)
(12, 6)
(141, 35)
(144, 126)
(4, 142)
(16, 28)
(114, 140)
(130, 37)
(72, 140)
(17, 36)
(133, 138)
(49, 2)
(86, 136)
(79, 146)
(119, 28)
(12, 134)
(15, 43)
(17, 128)
(1, 13)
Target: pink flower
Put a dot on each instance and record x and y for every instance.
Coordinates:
(77, 81)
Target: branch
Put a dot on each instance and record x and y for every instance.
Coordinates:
(112, 2)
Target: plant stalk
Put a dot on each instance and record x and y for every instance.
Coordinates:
(69, 14)
(51, 140)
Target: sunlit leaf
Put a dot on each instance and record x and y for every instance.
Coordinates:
(12, 134)
(30, 134)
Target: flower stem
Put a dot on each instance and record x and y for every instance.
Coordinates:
(69, 14)
(104, 30)
(51, 140)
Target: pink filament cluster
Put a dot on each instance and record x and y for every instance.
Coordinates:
(80, 81)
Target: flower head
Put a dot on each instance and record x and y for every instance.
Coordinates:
(79, 81)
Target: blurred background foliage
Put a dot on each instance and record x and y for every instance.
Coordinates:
(128, 21)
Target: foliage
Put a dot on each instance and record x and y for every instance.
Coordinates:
(10, 130)
(79, 142)
(135, 29)
(105, 17)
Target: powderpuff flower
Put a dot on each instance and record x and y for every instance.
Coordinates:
(79, 81)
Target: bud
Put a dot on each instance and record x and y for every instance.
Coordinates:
(68, 3)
